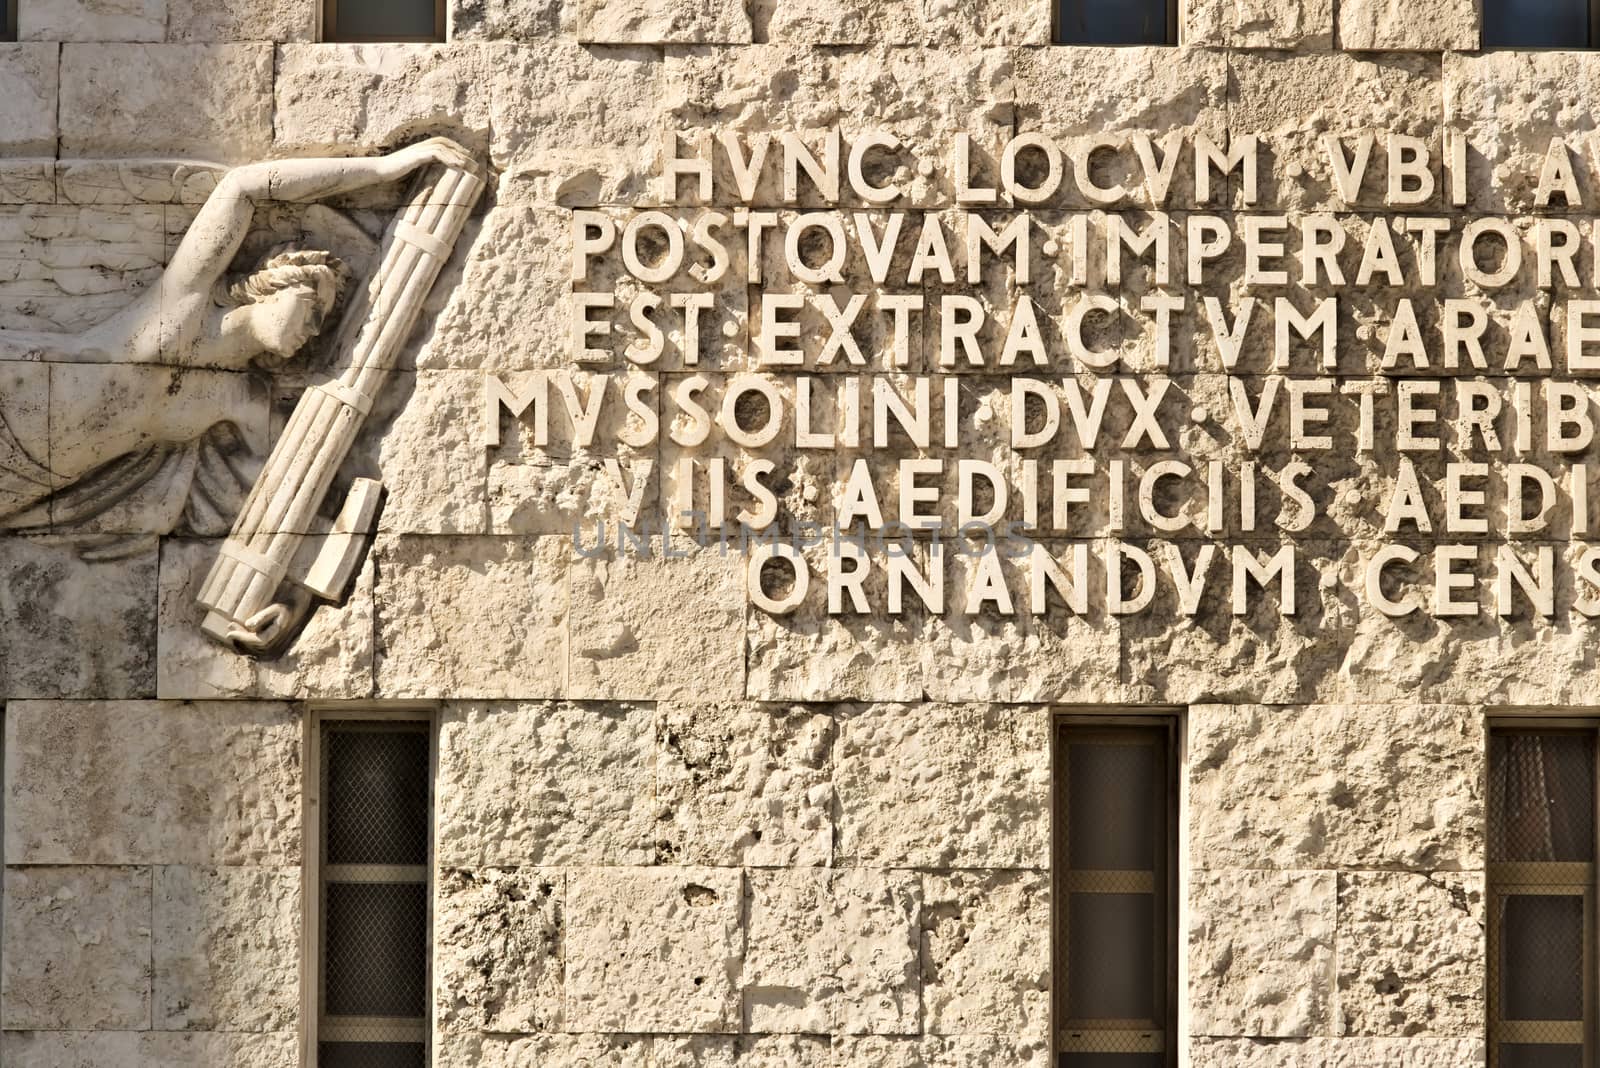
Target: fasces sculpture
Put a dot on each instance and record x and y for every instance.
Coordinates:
(168, 442)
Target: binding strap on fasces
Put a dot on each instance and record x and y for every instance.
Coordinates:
(346, 395)
(241, 553)
(421, 240)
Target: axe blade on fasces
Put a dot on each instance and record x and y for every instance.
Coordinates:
(281, 553)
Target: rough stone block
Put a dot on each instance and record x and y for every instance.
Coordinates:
(28, 75)
(332, 657)
(774, 87)
(636, 620)
(653, 949)
(77, 952)
(465, 617)
(148, 1049)
(512, 20)
(975, 652)
(941, 1051)
(1261, 953)
(498, 938)
(1335, 786)
(744, 785)
(227, 949)
(333, 98)
(1411, 954)
(427, 449)
(158, 783)
(811, 654)
(579, 125)
(93, 20)
(740, 1051)
(1510, 104)
(510, 306)
(534, 1051)
(1406, 1053)
(832, 952)
(1075, 94)
(545, 784)
(861, 22)
(1291, 102)
(986, 953)
(73, 627)
(663, 22)
(210, 101)
(1259, 1053)
(941, 786)
(1405, 26)
(241, 20)
(1291, 24)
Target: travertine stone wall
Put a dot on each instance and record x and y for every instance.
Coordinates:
(674, 830)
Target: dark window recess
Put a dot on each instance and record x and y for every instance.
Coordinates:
(1540, 23)
(375, 867)
(1115, 929)
(383, 20)
(1542, 856)
(1117, 22)
(8, 19)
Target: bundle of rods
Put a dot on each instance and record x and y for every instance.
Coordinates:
(283, 504)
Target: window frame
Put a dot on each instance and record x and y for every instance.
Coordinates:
(1541, 879)
(312, 870)
(1593, 42)
(1118, 724)
(330, 27)
(1173, 24)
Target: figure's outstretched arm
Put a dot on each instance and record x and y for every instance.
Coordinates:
(214, 238)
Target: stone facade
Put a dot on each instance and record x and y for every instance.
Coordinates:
(673, 828)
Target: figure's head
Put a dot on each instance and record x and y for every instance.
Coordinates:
(289, 296)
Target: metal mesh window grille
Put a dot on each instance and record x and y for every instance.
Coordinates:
(1539, 23)
(373, 918)
(1542, 898)
(1116, 22)
(383, 20)
(1114, 862)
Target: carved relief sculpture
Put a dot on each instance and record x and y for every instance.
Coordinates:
(163, 447)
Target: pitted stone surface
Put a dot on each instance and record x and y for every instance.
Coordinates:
(1403, 25)
(226, 949)
(942, 786)
(499, 934)
(1296, 787)
(653, 949)
(744, 784)
(1261, 948)
(545, 784)
(471, 617)
(78, 956)
(832, 952)
(634, 618)
(93, 20)
(131, 782)
(663, 22)
(148, 1049)
(74, 628)
(210, 101)
(1291, 24)
(1410, 954)
(28, 79)
(985, 953)
(332, 97)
